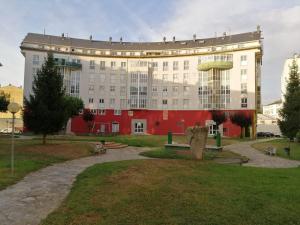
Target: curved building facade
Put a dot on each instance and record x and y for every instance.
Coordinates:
(154, 87)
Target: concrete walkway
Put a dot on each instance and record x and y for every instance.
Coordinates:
(39, 193)
(259, 159)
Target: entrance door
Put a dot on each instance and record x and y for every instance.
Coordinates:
(139, 126)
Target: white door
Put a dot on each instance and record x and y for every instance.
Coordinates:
(139, 127)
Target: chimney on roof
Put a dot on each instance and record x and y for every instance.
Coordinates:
(110, 40)
(91, 37)
(121, 40)
(194, 37)
(174, 39)
(164, 39)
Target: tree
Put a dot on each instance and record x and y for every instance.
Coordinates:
(4, 102)
(218, 117)
(88, 117)
(289, 123)
(73, 106)
(44, 110)
(242, 120)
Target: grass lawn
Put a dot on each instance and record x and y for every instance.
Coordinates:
(279, 144)
(184, 192)
(31, 155)
(142, 140)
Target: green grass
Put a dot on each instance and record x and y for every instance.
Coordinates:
(30, 156)
(180, 192)
(142, 140)
(279, 144)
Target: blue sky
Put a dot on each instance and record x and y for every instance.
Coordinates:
(137, 20)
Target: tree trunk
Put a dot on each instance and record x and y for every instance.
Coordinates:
(44, 139)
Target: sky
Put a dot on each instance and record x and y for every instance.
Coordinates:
(138, 20)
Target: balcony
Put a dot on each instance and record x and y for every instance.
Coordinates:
(67, 64)
(221, 65)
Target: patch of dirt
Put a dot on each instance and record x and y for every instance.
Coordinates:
(63, 150)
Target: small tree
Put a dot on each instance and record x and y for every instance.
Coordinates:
(88, 117)
(242, 120)
(4, 102)
(73, 106)
(44, 110)
(290, 113)
(218, 117)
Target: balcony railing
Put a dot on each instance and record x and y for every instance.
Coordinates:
(67, 64)
(222, 65)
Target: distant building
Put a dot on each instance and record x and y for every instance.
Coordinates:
(15, 95)
(267, 123)
(154, 87)
(285, 73)
(272, 109)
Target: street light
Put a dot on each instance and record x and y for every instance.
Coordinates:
(13, 108)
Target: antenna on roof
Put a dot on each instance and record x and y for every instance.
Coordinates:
(174, 39)
(121, 40)
(194, 37)
(164, 39)
(91, 37)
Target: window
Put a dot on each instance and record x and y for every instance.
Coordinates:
(154, 91)
(113, 79)
(154, 103)
(165, 66)
(123, 79)
(175, 65)
(123, 103)
(165, 102)
(186, 90)
(92, 64)
(175, 77)
(175, 102)
(91, 89)
(155, 65)
(123, 65)
(186, 103)
(185, 77)
(101, 112)
(244, 102)
(212, 129)
(101, 88)
(244, 60)
(35, 60)
(243, 74)
(113, 64)
(139, 127)
(115, 127)
(123, 91)
(186, 65)
(165, 77)
(102, 78)
(91, 78)
(165, 91)
(117, 112)
(102, 65)
(175, 89)
(91, 100)
(244, 88)
(112, 88)
(94, 111)
(112, 102)
(34, 71)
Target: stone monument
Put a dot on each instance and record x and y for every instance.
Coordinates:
(197, 137)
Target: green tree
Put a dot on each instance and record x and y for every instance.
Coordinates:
(73, 106)
(88, 117)
(242, 120)
(44, 110)
(290, 113)
(4, 101)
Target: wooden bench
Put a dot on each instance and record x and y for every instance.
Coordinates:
(271, 151)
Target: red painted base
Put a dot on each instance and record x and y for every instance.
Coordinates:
(158, 122)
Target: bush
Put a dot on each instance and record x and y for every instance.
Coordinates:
(298, 136)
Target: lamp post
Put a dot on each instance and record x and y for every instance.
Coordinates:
(13, 108)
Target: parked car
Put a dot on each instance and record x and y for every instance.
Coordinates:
(9, 131)
(260, 134)
(269, 134)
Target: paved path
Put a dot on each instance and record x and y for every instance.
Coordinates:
(39, 193)
(259, 159)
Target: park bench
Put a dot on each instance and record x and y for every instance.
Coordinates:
(271, 151)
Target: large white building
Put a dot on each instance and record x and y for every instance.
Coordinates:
(154, 87)
(273, 109)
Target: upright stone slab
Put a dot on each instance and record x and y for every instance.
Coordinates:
(197, 137)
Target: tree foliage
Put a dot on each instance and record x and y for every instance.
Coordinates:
(218, 117)
(242, 120)
(44, 110)
(290, 113)
(4, 102)
(73, 105)
(88, 117)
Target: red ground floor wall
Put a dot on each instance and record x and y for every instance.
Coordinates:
(159, 122)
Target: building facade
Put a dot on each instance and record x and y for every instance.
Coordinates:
(154, 87)
(273, 109)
